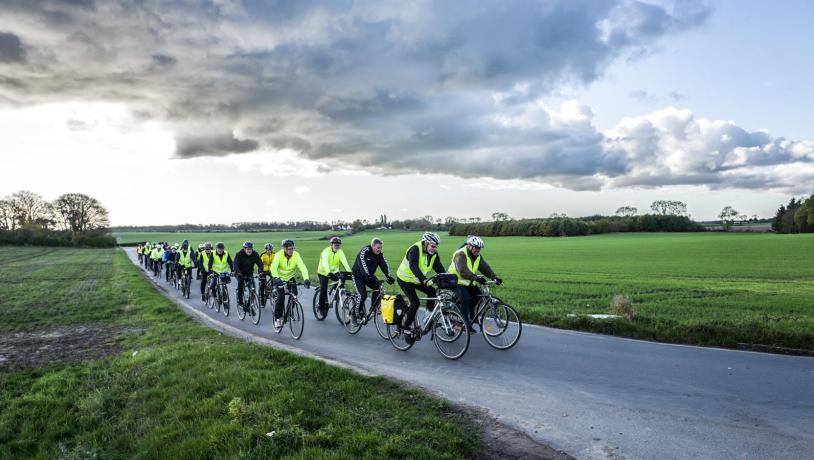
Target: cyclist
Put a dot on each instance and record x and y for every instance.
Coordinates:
(329, 264)
(267, 257)
(420, 258)
(220, 262)
(197, 258)
(139, 253)
(245, 261)
(156, 256)
(145, 252)
(170, 260)
(282, 268)
(204, 257)
(186, 259)
(370, 259)
(466, 262)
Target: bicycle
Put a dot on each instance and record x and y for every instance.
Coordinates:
(157, 269)
(445, 324)
(336, 297)
(186, 282)
(219, 297)
(250, 304)
(267, 283)
(348, 307)
(172, 274)
(292, 309)
(497, 319)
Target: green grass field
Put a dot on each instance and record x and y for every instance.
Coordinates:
(701, 288)
(114, 370)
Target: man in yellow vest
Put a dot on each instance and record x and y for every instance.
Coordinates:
(204, 257)
(139, 253)
(156, 256)
(267, 258)
(466, 262)
(284, 268)
(420, 258)
(186, 260)
(330, 261)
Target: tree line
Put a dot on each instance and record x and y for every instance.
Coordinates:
(73, 219)
(795, 217)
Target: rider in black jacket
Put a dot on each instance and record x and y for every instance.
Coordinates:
(244, 264)
(364, 269)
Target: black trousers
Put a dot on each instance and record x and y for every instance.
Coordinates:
(241, 281)
(278, 305)
(323, 289)
(409, 290)
(204, 280)
(361, 287)
(469, 295)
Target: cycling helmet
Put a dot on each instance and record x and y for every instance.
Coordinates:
(185, 243)
(175, 246)
(248, 244)
(269, 246)
(208, 245)
(336, 240)
(220, 245)
(431, 238)
(200, 245)
(475, 242)
(288, 243)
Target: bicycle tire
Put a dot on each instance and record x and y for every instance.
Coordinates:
(241, 313)
(334, 303)
(226, 302)
(450, 328)
(254, 309)
(348, 310)
(498, 331)
(318, 313)
(381, 328)
(397, 338)
(218, 299)
(296, 320)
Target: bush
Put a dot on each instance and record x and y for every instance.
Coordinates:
(591, 225)
(36, 236)
(622, 306)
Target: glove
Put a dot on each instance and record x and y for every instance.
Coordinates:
(333, 277)
(307, 284)
(498, 281)
(481, 279)
(390, 280)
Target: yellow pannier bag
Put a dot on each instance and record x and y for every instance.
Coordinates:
(388, 308)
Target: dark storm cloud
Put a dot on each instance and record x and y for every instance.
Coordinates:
(395, 87)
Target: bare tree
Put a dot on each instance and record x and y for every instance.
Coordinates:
(500, 216)
(7, 218)
(28, 208)
(80, 213)
(626, 211)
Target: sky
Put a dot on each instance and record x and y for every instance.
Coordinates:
(224, 111)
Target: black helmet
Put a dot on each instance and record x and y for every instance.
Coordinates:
(288, 243)
(220, 245)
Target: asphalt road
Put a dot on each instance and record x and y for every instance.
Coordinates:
(593, 396)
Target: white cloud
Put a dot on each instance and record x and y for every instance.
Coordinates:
(302, 189)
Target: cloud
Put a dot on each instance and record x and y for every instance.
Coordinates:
(11, 49)
(302, 189)
(366, 82)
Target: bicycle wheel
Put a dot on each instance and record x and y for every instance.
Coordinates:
(348, 310)
(274, 295)
(500, 325)
(224, 295)
(334, 303)
(241, 312)
(318, 313)
(216, 295)
(398, 338)
(451, 333)
(296, 318)
(188, 286)
(254, 308)
(381, 328)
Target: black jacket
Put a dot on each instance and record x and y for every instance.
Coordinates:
(367, 262)
(245, 264)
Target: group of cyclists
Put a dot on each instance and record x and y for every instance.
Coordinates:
(467, 265)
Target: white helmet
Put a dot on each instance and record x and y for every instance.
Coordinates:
(431, 238)
(475, 242)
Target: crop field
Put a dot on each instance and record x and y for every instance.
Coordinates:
(96, 363)
(701, 288)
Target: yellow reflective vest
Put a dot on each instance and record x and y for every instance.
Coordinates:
(405, 274)
(220, 263)
(330, 261)
(267, 260)
(472, 266)
(185, 258)
(284, 267)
